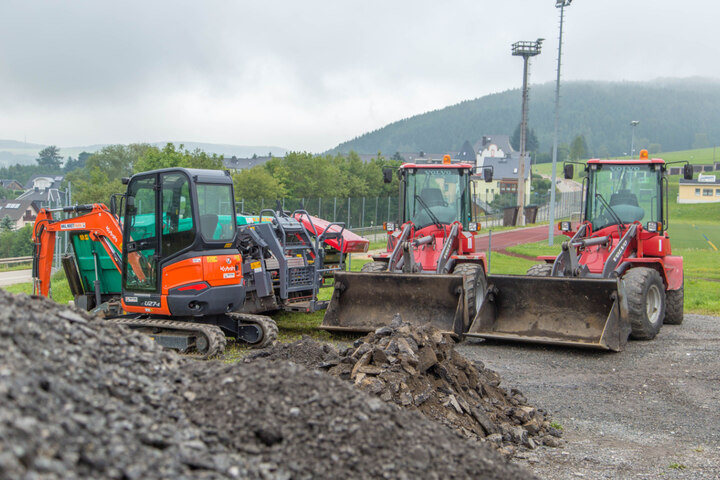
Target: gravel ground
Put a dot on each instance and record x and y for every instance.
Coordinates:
(651, 411)
(83, 398)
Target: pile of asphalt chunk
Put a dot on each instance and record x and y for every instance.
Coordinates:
(82, 398)
(419, 369)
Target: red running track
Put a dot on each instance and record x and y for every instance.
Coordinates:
(510, 238)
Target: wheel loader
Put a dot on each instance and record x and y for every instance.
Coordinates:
(615, 277)
(432, 268)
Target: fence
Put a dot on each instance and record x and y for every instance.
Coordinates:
(365, 215)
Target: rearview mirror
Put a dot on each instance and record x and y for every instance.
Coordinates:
(113, 204)
(568, 171)
(687, 171)
(387, 175)
(488, 174)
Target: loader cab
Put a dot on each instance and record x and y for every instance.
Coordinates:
(171, 215)
(435, 193)
(623, 192)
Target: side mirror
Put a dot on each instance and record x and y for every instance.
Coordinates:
(113, 205)
(568, 171)
(125, 180)
(687, 171)
(387, 175)
(488, 174)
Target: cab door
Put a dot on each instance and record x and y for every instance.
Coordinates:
(140, 248)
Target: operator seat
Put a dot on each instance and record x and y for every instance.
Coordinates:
(208, 224)
(432, 197)
(624, 197)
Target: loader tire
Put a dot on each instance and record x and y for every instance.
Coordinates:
(374, 267)
(674, 304)
(645, 293)
(475, 285)
(540, 270)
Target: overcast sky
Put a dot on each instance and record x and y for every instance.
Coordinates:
(307, 75)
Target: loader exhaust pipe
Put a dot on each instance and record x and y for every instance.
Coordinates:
(579, 312)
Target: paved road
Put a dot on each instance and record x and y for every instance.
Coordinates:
(17, 276)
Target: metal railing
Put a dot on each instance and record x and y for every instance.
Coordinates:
(13, 260)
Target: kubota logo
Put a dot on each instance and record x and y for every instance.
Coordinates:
(111, 234)
(227, 269)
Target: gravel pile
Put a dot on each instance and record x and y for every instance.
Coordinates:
(82, 398)
(419, 369)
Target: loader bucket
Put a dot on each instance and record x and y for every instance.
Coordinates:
(364, 301)
(579, 312)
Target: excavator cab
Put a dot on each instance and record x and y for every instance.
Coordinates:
(180, 257)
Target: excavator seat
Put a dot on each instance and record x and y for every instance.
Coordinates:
(208, 225)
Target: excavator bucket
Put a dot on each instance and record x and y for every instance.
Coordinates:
(579, 312)
(364, 301)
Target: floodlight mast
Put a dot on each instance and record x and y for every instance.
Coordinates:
(525, 50)
(561, 4)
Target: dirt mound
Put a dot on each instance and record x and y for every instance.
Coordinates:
(419, 369)
(82, 398)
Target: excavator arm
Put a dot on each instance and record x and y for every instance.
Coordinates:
(94, 219)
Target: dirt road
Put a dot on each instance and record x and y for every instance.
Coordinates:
(652, 411)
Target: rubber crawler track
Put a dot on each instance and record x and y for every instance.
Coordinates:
(267, 324)
(213, 334)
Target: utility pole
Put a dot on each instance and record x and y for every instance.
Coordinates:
(525, 50)
(633, 124)
(561, 4)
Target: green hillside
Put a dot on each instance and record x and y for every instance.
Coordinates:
(674, 114)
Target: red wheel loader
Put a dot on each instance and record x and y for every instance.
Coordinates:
(614, 278)
(431, 270)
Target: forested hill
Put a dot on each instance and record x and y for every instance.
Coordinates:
(674, 114)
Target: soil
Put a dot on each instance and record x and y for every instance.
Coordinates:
(419, 369)
(82, 398)
(651, 411)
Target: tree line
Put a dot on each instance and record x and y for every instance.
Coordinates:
(94, 177)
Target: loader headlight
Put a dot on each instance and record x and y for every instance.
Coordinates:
(565, 226)
(473, 227)
(654, 227)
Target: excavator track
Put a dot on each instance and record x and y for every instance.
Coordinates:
(266, 324)
(211, 340)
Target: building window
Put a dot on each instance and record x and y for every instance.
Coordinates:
(697, 192)
(717, 192)
(707, 192)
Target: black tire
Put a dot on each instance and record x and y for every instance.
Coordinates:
(645, 293)
(374, 267)
(674, 304)
(540, 270)
(475, 283)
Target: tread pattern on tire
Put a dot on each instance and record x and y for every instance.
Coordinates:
(374, 267)
(540, 270)
(470, 272)
(637, 282)
(674, 305)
